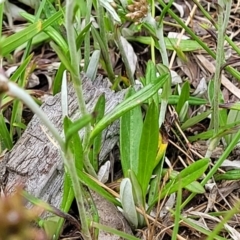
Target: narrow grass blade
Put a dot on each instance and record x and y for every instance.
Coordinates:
(4, 134)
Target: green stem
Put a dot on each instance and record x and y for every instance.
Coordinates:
(87, 36)
(76, 78)
(78, 191)
(77, 83)
(217, 76)
(152, 40)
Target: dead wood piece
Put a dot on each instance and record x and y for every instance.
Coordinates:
(35, 161)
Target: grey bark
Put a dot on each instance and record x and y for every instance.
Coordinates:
(35, 160)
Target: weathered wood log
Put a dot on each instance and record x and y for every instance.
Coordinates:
(35, 161)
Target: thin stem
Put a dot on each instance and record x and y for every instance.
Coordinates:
(77, 187)
(217, 76)
(76, 78)
(87, 36)
(103, 34)
(152, 40)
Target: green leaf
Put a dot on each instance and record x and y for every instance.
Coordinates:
(127, 105)
(74, 127)
(58, 78)
(114, 231)
(63, 57)
(138, 197)
(184, 45)
(211, 91)
(93, 65)
(151, 78)
(184, 111)
(173, 99)
(4, 134)
(111, 10)
(67, 199)
(229, 175)
(99, 110)
(196, 119)
(50, 31)
(166, 93)
(21, 68)
(195, 187)
(148, 147)
(130, 132)
(128, 205)
(184, 96)
(187, 176)
(91, 183)
(10, 43)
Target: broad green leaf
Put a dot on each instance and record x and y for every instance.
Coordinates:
(128, 205)
(195, 187)
(127, 105)
(184, 96)
(93, 65)
(138, 197)
(148, 147)
(187, 176)
(130, 132)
